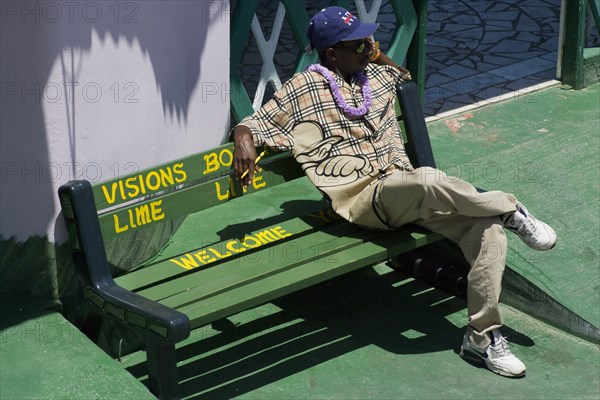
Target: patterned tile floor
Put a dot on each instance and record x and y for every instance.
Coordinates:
(480, 49)
(476, 49)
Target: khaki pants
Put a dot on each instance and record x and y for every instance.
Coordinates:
(454, 208)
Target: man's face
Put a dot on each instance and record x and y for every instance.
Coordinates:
(353, 55)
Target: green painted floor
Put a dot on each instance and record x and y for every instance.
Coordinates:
(373, 334)
(543, 147)
(43, 356)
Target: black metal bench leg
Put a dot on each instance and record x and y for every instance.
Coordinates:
(162, 370)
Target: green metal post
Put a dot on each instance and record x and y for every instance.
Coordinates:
(573, 67)
(595, 8)
(416, 52)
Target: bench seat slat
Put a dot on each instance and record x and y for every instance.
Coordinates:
(288, 281)
(296, 206)
(231, 274)
(244, 214)
(213, 256)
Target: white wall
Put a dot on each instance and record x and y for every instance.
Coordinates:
(94, 89)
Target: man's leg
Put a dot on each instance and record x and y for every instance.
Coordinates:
(423, 192)
(483, 244)
(455, 209)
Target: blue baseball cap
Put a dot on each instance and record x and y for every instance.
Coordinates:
(333, 25)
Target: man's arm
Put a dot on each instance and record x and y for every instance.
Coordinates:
(399, 153)
(382, 59)
(244, 154)
(269, 126)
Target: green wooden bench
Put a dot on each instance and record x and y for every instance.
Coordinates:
(240, 248)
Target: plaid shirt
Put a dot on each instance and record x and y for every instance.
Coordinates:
(342, 155)
(307, 97)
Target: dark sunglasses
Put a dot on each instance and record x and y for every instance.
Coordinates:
(360, 48)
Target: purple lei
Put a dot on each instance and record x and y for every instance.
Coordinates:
(337, 95)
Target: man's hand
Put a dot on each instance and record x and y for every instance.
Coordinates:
(383, 59)
(244, 155)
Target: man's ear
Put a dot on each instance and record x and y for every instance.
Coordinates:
(331, 54)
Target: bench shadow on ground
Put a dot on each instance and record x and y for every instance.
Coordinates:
(364, 308)
(335, 318)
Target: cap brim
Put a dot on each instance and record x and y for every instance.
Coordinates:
(363, 31)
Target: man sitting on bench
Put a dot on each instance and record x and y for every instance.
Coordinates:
(338, 118)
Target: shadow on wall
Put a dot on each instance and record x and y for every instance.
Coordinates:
(38, 38)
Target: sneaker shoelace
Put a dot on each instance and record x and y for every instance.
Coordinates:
(523, 226)
(500, 348)
(526, 227)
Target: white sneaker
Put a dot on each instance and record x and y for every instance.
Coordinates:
(496, 357)
(533, 232)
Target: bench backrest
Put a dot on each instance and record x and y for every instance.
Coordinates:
(194, 183)
(170, 191)
(181, 187)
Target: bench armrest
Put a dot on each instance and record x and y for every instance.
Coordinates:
(91, 263)
(139, 312)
